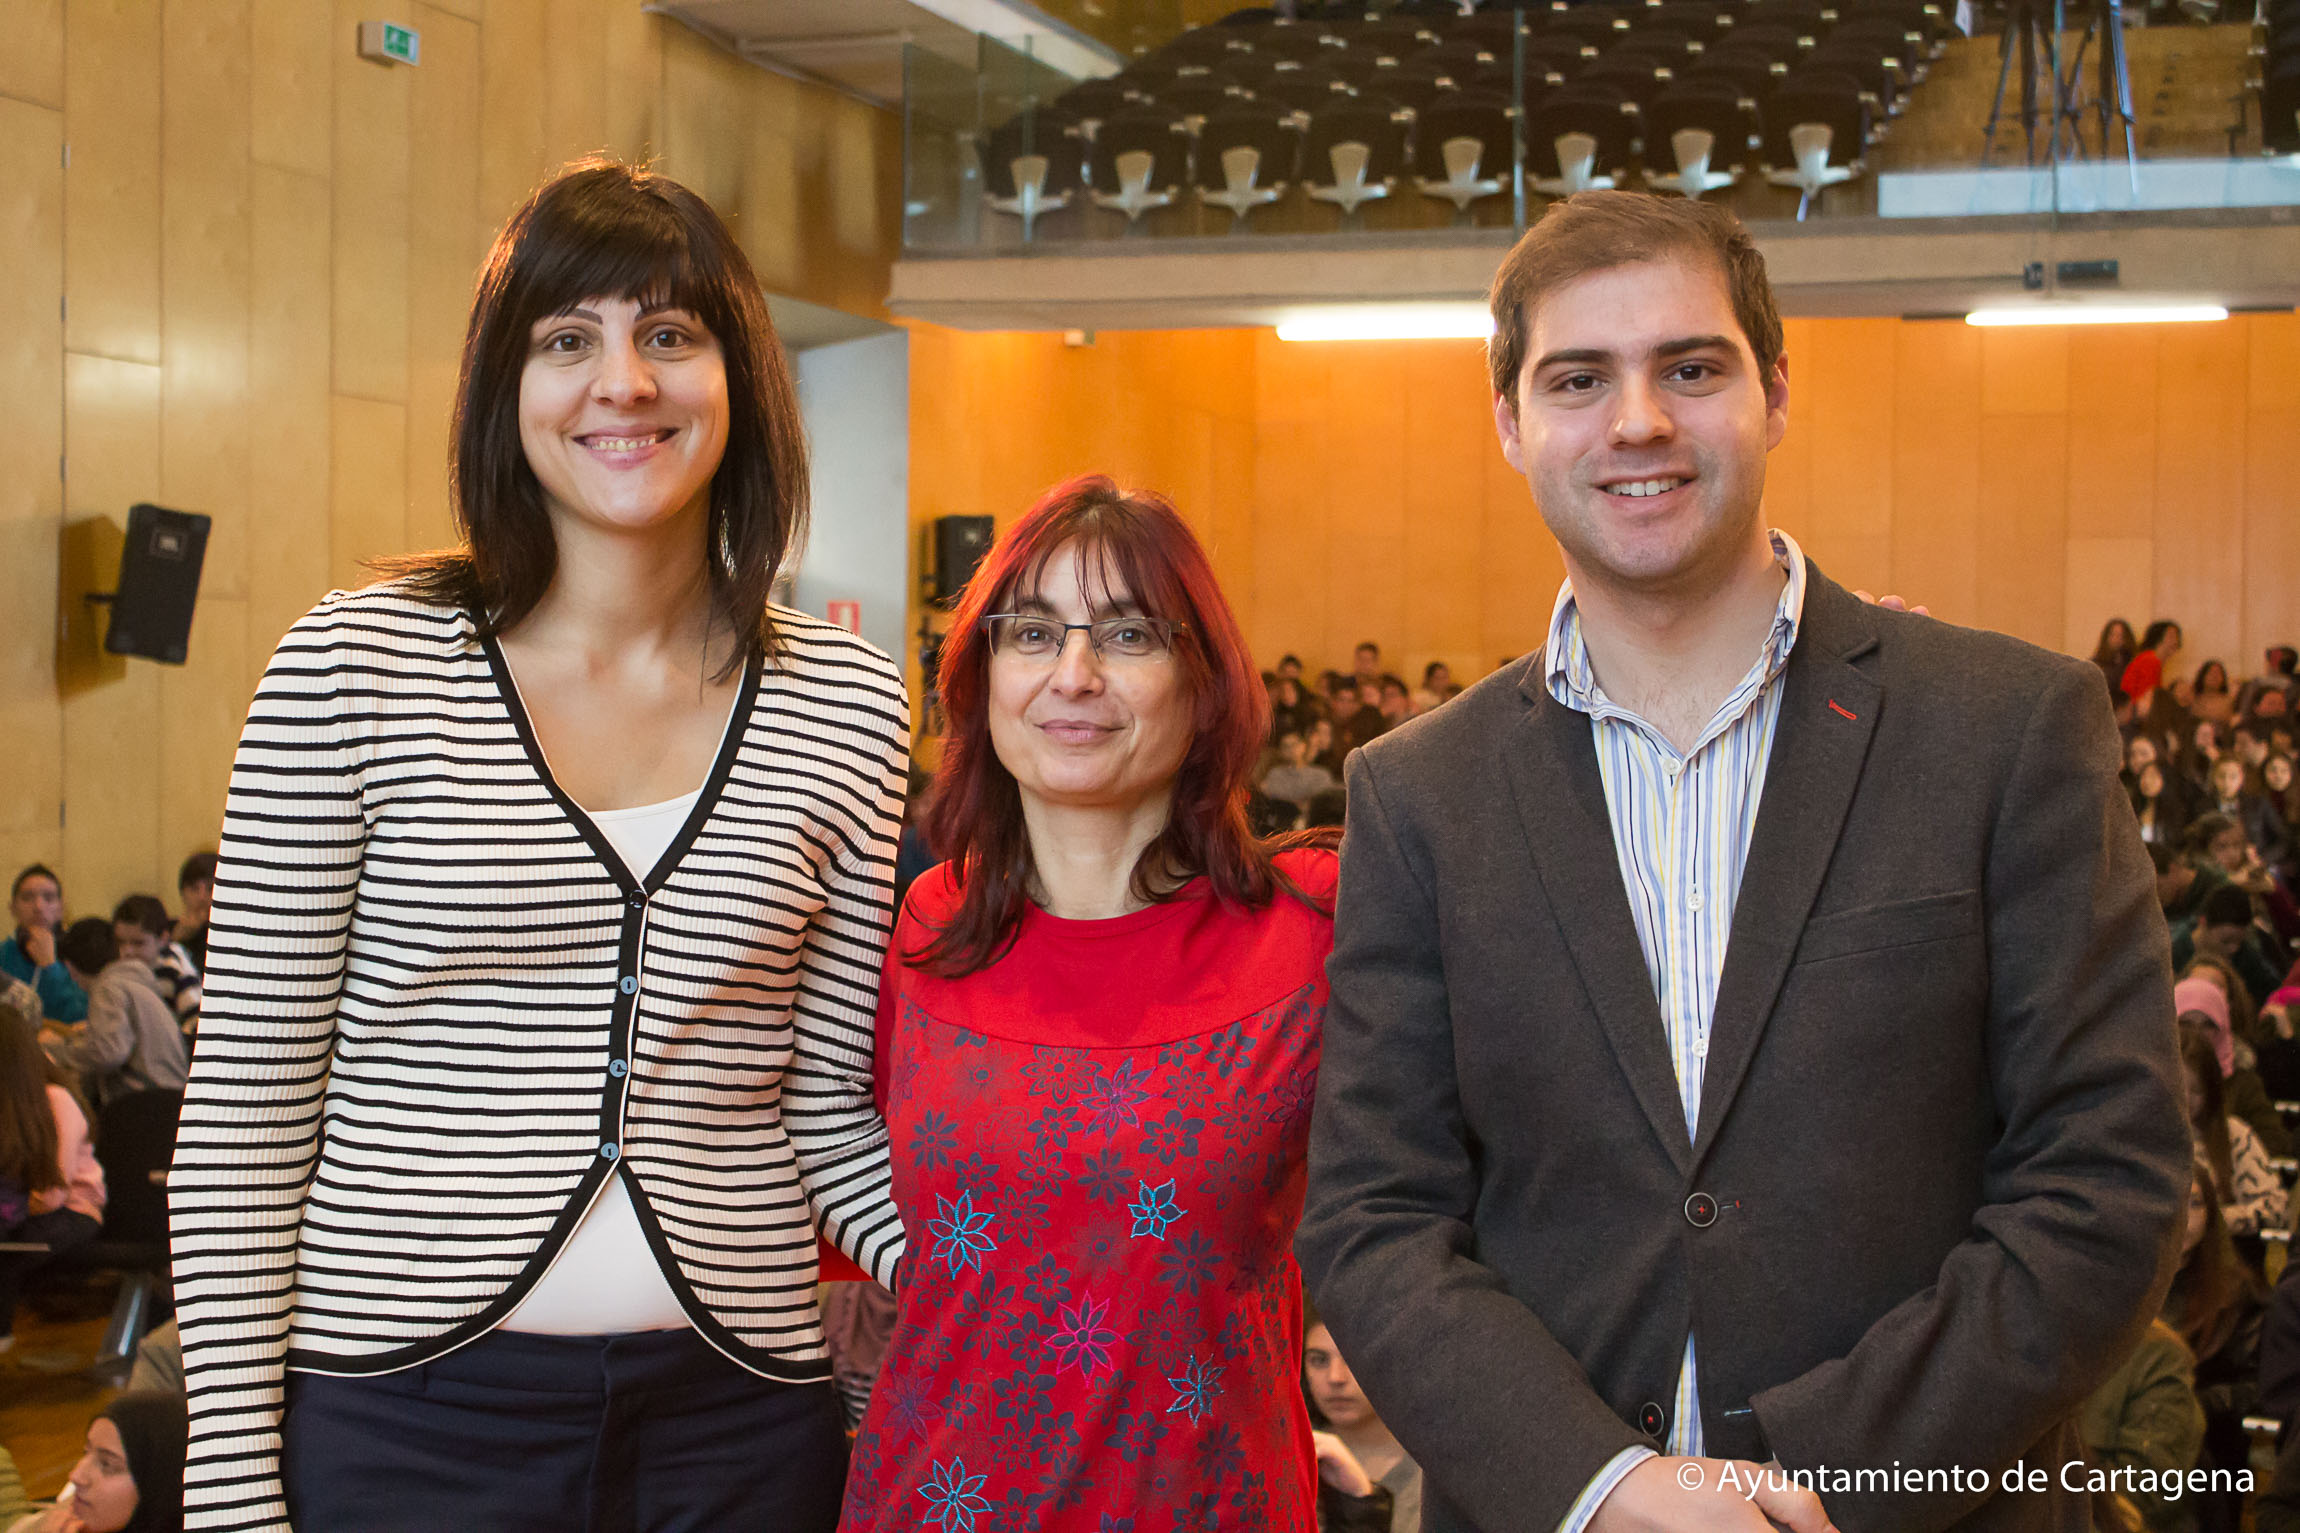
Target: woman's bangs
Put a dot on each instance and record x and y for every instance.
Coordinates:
(1116, 552)
(646, 259)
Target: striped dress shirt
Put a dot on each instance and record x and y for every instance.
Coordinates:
(440, 1015)
(1681, 828)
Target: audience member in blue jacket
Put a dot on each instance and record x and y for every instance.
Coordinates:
(36, 900)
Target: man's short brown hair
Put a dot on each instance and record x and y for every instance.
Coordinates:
(1596, 231)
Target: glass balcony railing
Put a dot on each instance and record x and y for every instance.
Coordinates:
(1421, 117)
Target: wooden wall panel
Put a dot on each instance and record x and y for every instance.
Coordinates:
(111, 735)
(288, 481)
(369, 323)
(2201, 420)
(1936, 469)
(511, 106)
(112, 186)
(445, 248)
(31, 499)
(204, 279)
(292, 47)
(32, 65)
(367, 495)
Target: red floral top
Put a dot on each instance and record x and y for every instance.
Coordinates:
(1098, 1146)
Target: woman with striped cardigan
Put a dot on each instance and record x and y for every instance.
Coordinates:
(554, 885)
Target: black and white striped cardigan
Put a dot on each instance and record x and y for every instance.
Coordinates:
(439, 1015)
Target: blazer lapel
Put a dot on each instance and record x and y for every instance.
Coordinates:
(1551, 765)
(1828, 713)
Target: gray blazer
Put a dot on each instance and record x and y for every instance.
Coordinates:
(1941, 1163)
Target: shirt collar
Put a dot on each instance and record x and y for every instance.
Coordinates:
(1573, 681)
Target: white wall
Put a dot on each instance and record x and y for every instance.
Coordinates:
(856, 399)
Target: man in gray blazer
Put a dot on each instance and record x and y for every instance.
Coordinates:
(1751, 1036)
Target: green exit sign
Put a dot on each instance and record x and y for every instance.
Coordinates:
(387, 42)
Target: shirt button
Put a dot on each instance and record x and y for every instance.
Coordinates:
(630, 984)
(1701, 1049)
(608, 1152)
(1694, 901)
(617, 1068)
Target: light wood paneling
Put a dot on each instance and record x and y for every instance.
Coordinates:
(111, 735)
(32, 65)
(2107, 578)
(31, 499)
(370, 314)
(292, 117)
(288, 481)
(445, 247)
(112, 186)
(511, 153)
(2200, 486)
(367, 499)
(204, 280)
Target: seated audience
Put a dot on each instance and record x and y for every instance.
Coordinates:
(1291, 710)
(36, 901)
(2145, 1417)
(2209, 694)
(2282, 787)
(1396, 704)
(1340, 1407)
(2114, 652)
(2196, 759)
(2276, 679)
(1295, 778)
(2225, 928)
(51, 1188)
(2235, 791)
(1437, 687)
(1357, 714)
(1319, 748)
(2156, 803)
(1366, 670)
(2182, 880)
(2251, 1195)
(1327, 810)
(131, 1478)
(2216, 1307)
(142, 931)
(2209, 993)
(196, 889)
(130, 1041)
(2153, 706)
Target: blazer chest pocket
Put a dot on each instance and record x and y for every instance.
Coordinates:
(1894, 924)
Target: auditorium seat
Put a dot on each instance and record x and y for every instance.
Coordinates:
(1140, 161)
(1089, 103)
(1354, 153)
(1030, 167)
(1579, 139)
(1301, 89)
(1816, 129)
(1245, 160)
(1700, 129)
(1462, 148)
(1636, 76)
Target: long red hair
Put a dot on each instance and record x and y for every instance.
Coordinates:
(1138, 540)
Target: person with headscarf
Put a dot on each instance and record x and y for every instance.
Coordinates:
(131, 1478)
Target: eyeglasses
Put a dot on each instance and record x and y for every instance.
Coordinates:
(1042, 639)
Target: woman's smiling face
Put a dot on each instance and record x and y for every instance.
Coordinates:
(623, 412)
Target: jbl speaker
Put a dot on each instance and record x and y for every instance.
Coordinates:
(159, 584)
(959, 544)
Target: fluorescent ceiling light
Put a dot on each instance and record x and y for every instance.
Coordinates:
(2097, 314)
(1390, 322)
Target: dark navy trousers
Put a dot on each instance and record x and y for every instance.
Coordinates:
(654, 1432)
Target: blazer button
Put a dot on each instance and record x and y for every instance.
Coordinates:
(1650, 1421)
(1701, 1210)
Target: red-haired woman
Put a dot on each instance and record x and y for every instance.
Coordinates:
(1097, 1040)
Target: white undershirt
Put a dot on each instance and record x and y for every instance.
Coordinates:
(606, 1281)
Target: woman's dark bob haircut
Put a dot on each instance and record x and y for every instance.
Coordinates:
(603, 229)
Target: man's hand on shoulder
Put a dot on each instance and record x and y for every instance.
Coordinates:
(1708, 1495)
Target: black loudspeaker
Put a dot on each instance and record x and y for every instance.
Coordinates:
(159, 584)
(959, 544)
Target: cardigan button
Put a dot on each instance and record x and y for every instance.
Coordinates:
(617, 1068)
(608, 1152)
(630, 984)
